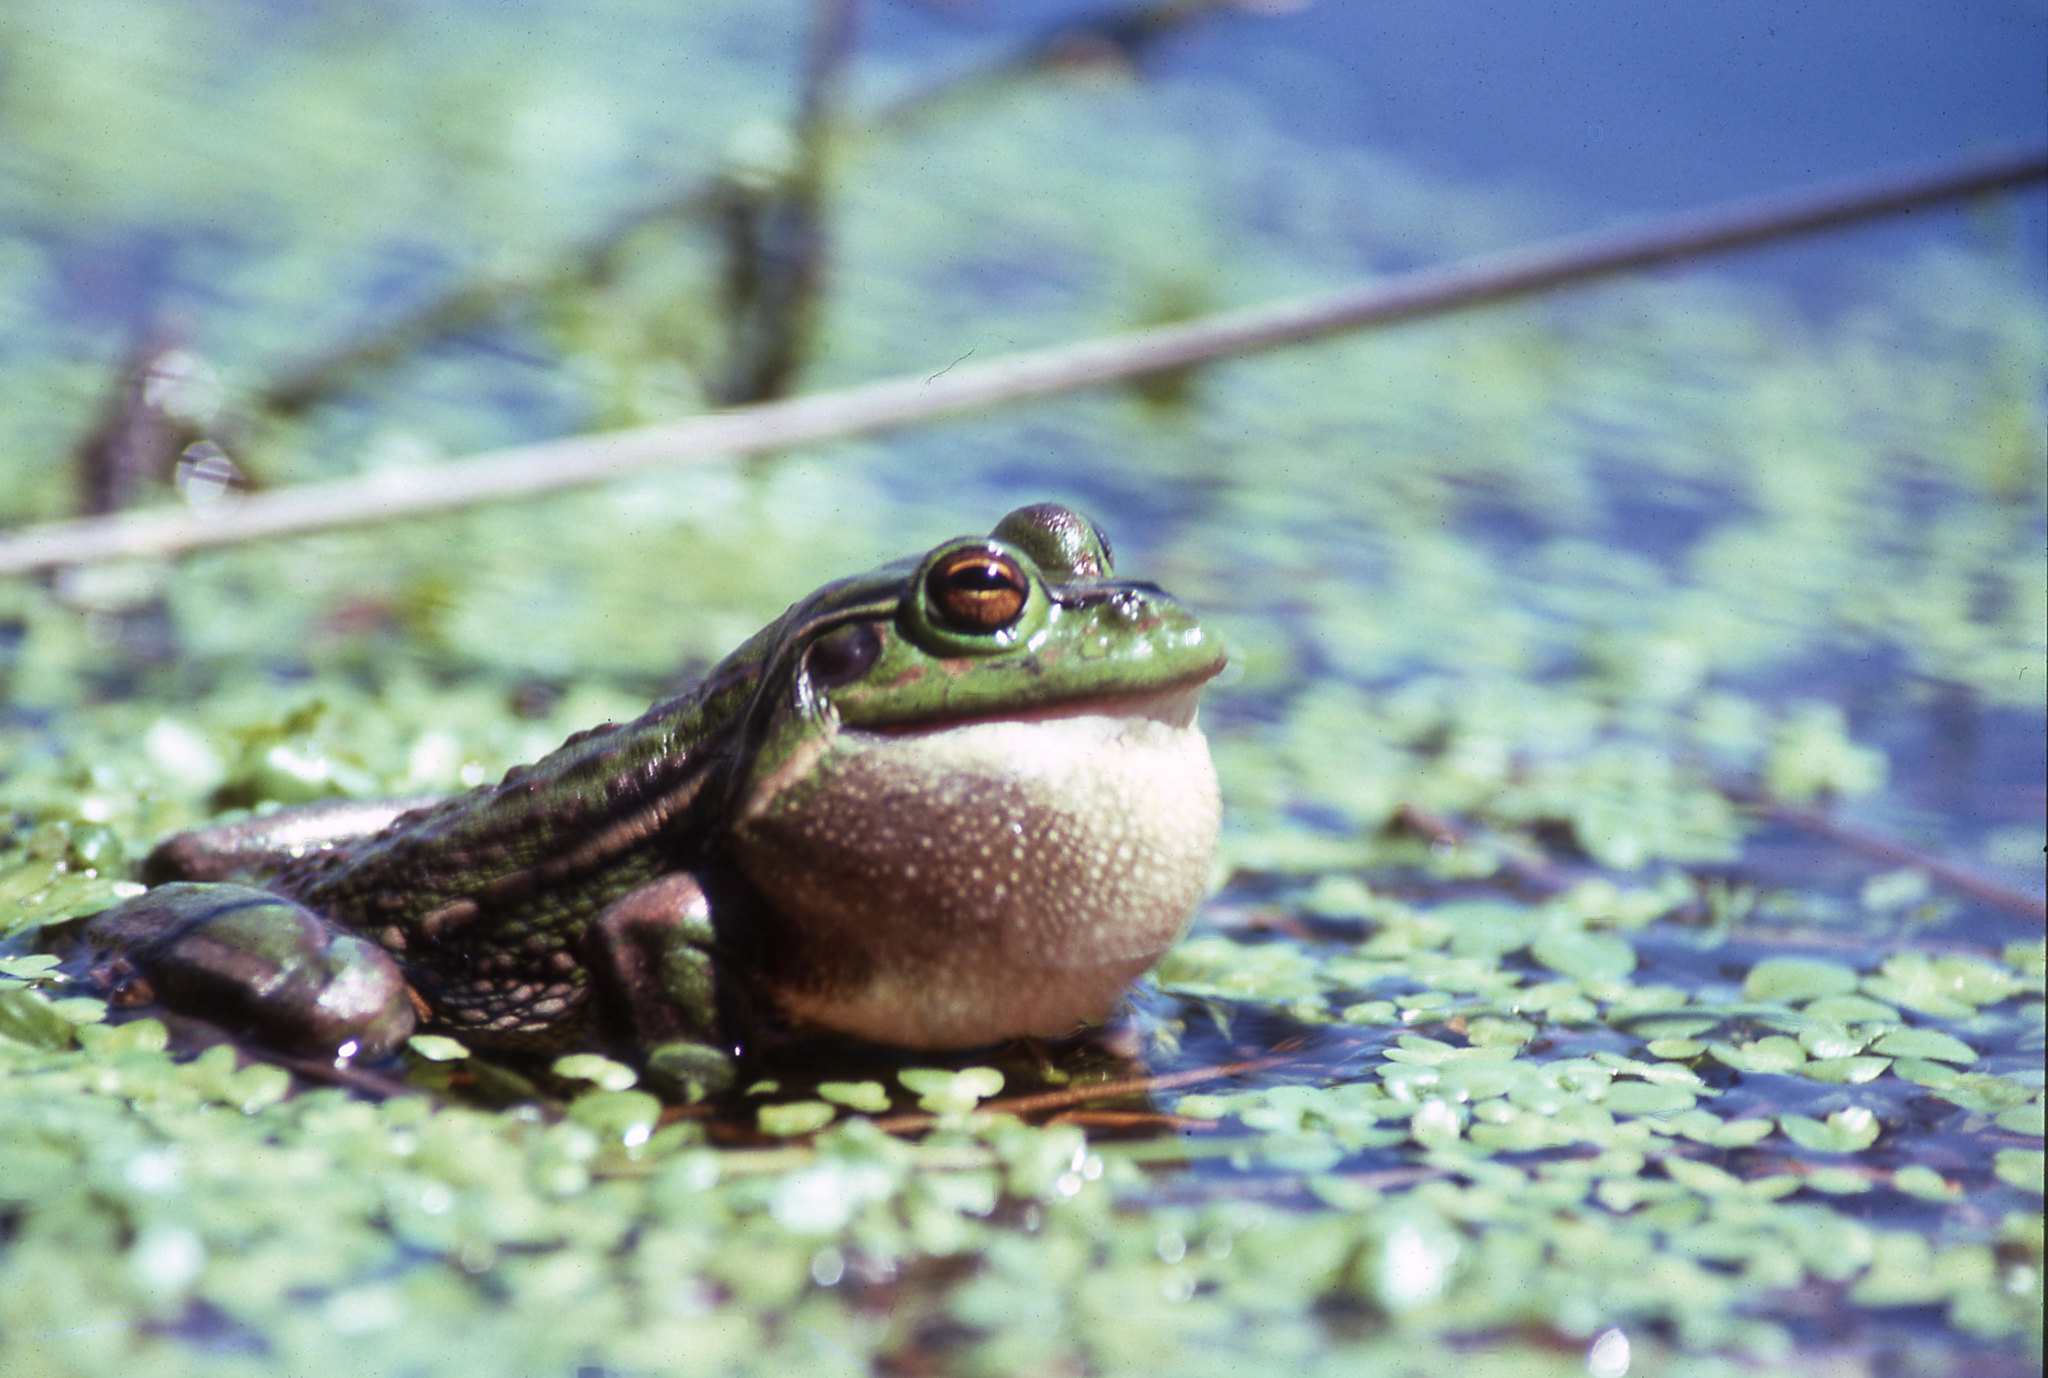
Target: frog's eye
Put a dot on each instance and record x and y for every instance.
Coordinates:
(977, 590)
(1065, 545)
(843, 655)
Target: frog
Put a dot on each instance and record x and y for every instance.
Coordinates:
(960, 799)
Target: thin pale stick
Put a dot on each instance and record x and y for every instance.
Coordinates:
(1890, 850)
(528, 470)
(913, 1122)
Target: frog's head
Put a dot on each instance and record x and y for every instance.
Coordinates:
(978, 802)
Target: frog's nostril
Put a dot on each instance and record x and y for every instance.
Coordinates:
(1129, 604)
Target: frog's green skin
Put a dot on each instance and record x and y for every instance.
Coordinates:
(954, 800)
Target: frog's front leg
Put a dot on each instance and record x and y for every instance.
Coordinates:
(251, 961)
(651, 954)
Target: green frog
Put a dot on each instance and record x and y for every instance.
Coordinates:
(955, 800)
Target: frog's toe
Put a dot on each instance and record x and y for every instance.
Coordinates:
(251, 960)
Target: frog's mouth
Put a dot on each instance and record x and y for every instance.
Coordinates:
(1170, 707)
(1173, 706)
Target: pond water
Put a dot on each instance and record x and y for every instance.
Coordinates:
(1626, 954)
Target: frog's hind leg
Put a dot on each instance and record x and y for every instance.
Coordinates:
(251, 962)
(651, 954)
(265, 844)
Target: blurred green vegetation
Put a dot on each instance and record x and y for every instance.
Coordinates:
(1588, 1053)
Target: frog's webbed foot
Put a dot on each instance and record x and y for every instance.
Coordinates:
(251, 961)
(651, 955)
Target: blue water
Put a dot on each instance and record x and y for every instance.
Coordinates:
(1607, 111)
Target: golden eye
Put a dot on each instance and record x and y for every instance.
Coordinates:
(977, 590)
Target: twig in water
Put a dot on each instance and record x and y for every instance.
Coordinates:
(528, 470)
(773, 228)
(1536, 872)
(1893, 852)
(1072, 1096)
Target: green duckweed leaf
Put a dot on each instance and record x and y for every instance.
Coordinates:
(1851, 1009)
(1794, 979)
(2022, 1167)
(1704, 1126)
(1927, 1044)
(601, 1072)
(1423, 1052)
(1701, 1177)
(1919, 1180)
(80, 1010)
(1495, 1031)
(1933, 1075)
(1947, 987)
(1984, 1094)
(1646, 1098)
(786, 1119)
(1901, 1272)
(27, 1016)
(1436, 1124)
(437, 1047)
(1825, 1039)
(1773, 1053)
(1585, 956)
(1845, 1071)
(1477, 1079)
(28, 967)
(869, 1097)
(618, 1116)
(135, 1036)
(943, 1092)
(1839, 1181)
(1846, 1131)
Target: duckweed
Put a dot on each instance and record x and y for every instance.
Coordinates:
(1554, 1051)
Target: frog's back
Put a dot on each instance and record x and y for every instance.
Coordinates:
(484, 897)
